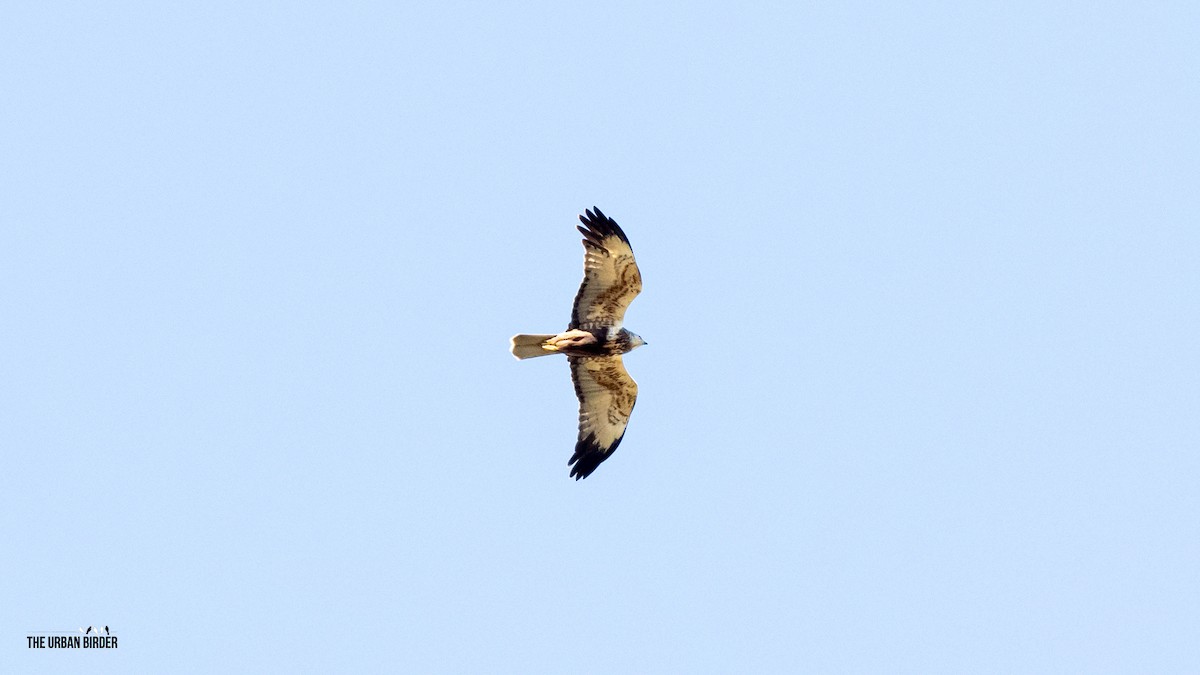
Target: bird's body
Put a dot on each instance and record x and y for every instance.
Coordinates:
(595, 340)
(578, 342)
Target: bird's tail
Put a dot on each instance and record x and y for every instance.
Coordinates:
(529, 346)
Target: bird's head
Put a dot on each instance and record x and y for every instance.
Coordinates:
(635, 341)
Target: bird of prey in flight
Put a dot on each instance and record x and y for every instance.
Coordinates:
(595, 341)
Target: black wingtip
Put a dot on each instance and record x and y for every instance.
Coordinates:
(601, 225)
(589, 455)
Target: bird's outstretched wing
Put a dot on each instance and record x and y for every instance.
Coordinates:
(611, 279)
(606, 396)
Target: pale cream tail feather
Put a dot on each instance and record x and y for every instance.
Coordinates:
(529, 346)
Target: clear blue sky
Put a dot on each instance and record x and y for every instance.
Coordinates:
(921, 293)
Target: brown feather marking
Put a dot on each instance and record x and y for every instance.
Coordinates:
(611, 302)
(608, 374)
